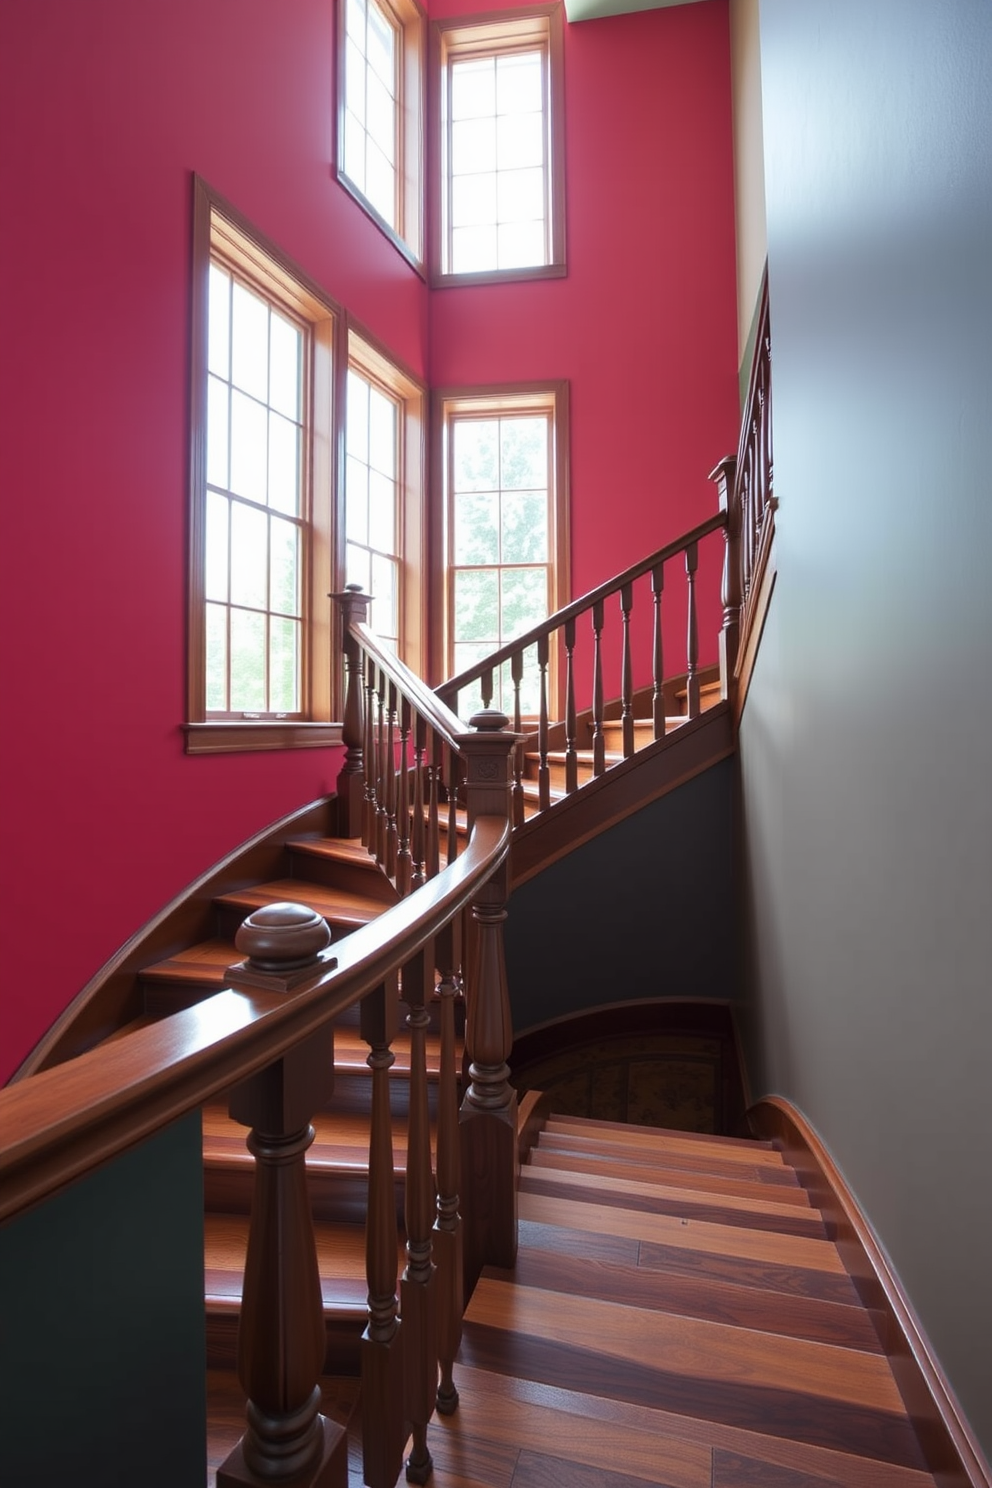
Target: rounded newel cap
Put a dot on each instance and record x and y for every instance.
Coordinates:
(281, 937)
(353, 588)
(489, 721)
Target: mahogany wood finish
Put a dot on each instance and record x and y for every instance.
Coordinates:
(448, 1241)
(353, 605)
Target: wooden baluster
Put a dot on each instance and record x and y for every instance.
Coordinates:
(381, 1349)
(433, 860)
(517, 676)
(692, 639)
(418, 1304)
(281, 1337)
(730, 582)
(543, 773)
(598, 737)
(381, 771)
(451, 760)
(353, 605)
(626, 674)
(391, 831)
(371, 760)
(571, 754)
(658, 659)
(404, 858)
(418, 833)
(489, 1111)
(448, 1247)
(486, 688)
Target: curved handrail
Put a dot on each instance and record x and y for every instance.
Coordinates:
(428, 703)
(62, 1122)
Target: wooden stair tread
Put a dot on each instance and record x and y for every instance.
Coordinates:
(340, 1257)
(739, 1180)
(206, 962)
(350, 850)
(700, 1145)
(339, 907)
(741, 1196)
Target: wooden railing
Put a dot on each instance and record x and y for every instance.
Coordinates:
(581, 633)
(269, 1036)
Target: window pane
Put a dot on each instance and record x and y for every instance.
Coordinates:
(285, 345)
(473, 88)
(473, 200)
(519, 141)
(354, 79)
(248, 441)
(284, 465)
(216, 658)
(381, 45)
(247, 662)
(524, 600)
(383, 612)
(381, 117)
(473, 249)
(380, 182)
(356, 503)
(284, 590)
(216, 547)
(519, 83)
(523, 454)
(382, 513)
(476, 535)
(473, 146)
(382, 432)
(249, 342)
(219, 316)
(217, 408)
(474, 454)
(525, 527)
(358, 567)
(477, 605)
(356, 19)
(521, 244)
(357, 434)
(284, 638)
(249, 556)
(520, 196)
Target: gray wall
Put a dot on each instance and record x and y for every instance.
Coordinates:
(866, 746)
(643, 911)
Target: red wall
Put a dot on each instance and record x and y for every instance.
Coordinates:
(105, 110)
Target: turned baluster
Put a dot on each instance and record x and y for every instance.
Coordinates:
(626, 674)
(486, 688)
(381, 1349)
(371, 761)
(692, 639)
(281, 1337)
(489, 1111)
(598, 737)
(418, 1305)
(730, 581)
(392, 837)
(418, 834)
(382, 771)
(658, 658)
(571, 755)
(433, 859)
(543, 773)
(404, 857)
(448, 1247)
(451, 762)
(353, 605)
(517, 676)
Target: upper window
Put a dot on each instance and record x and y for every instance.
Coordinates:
(380, 114)
(501, 131)
(261, 493)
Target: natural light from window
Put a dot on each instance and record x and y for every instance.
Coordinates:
(372, 47)
(372, 505)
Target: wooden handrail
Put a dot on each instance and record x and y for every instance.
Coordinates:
(424, 700)
(62, 1122)
(577, 607)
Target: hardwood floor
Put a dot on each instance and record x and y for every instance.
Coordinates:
(678, 1317)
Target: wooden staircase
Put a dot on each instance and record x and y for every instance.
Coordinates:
(678, 1315)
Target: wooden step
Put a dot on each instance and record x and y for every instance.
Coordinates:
(658, 1174)
(343, 909)
(341, 862)
(700, 1145)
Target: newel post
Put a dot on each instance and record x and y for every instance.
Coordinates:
(281, 1337)
(725, 476)
(353, 605)
(488, 1116)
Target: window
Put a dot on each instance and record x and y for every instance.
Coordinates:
(380, 114)
(504, 458)
(501, 128)
(261, 493)
(384, 508)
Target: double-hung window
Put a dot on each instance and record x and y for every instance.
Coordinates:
(501, 129)
(380, 114)
(261, 493)
(504, 461)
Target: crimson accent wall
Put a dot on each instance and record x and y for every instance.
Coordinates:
(106, 110)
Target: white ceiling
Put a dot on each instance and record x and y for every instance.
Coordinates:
(589, 10)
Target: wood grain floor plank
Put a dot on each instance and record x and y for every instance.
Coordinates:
(712, 1183)
(537, 1470)
(687, 1234)
(794, 1280)
(693, 1160)
(622, 1249)
(662, 1139)
(695, 1347)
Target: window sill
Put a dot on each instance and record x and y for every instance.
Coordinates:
(232, 737)
(499, 276)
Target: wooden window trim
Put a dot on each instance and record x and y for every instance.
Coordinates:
(219, 229)
(484, 35)
(409, 234)
(368, 357)
(497, 399)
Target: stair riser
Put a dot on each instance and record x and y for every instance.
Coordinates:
(356, 878)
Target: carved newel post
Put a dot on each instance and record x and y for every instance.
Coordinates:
(354, 605)
(725, 476)
(488, 1116)
(281, 1339)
